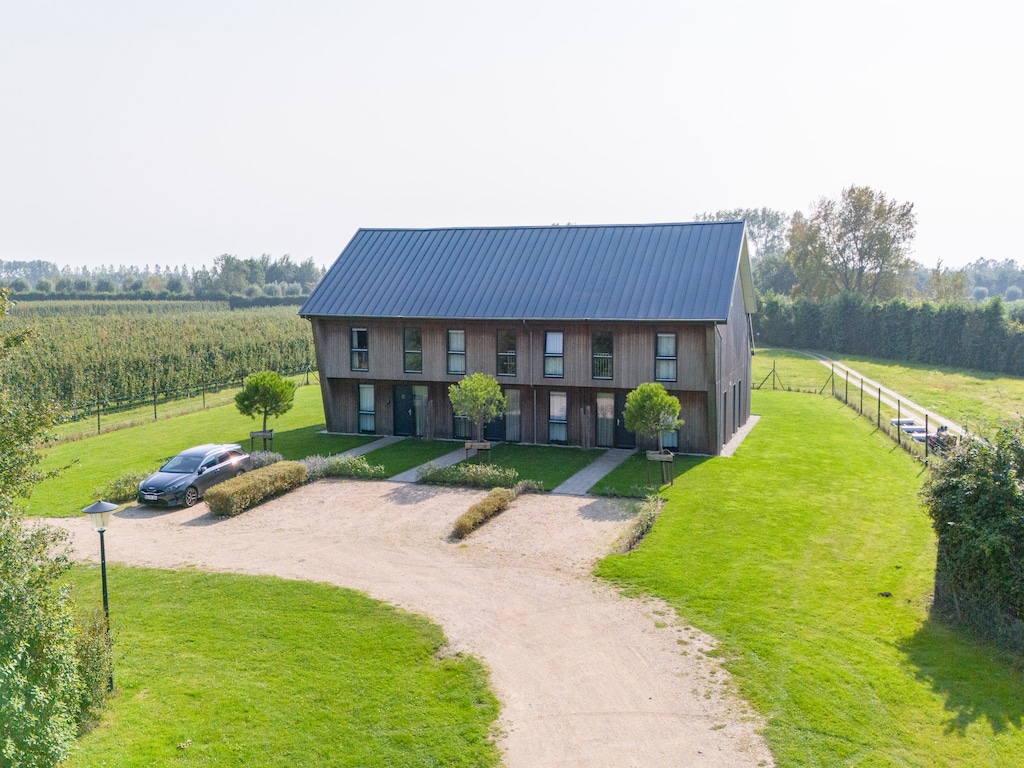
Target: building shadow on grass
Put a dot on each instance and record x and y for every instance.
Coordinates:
(978, 683)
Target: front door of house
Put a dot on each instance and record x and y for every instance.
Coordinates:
(623, 437)
(405, 414)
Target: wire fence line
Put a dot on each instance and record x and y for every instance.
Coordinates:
(97, 407)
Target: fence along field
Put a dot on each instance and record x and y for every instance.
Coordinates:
(81, 355)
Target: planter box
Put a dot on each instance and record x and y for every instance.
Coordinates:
(472, 445)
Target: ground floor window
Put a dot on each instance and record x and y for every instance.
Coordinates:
(462, 428)
(513, 416)
(558, 426)
(670, 439)
(367, 415)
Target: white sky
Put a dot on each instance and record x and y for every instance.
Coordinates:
(169, 133)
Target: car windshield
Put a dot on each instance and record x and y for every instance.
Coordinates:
(182, 464)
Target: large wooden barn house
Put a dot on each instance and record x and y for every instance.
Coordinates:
(568, 319)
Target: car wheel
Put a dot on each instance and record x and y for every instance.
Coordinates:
(191, 496)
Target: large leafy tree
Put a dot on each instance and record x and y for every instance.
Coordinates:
(265, 393)
(767, 228)
(857, 244)
(42, 687)
(478, 397)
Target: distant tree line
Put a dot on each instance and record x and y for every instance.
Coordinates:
(960, 334)
(229, 276)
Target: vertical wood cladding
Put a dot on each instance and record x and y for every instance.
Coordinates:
(703, 359)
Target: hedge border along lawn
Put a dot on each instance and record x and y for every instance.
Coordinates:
(95, 461)
(782, 553)
(245, 491)
(259, 671)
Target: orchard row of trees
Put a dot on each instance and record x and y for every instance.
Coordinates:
(229, 276)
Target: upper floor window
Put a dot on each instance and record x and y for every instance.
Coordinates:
(507, 352)
(601, 354)
(665, 357)
(457, 352)
(413, 350)
(360, 347)
(554, 362)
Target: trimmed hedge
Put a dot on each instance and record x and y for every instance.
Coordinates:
(472, 475)
(493, 503)
(247, 490)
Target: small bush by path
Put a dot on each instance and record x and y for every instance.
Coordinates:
(646, 515)
(319, 467)
(245, 491)
(494, 502)
(468, 474)
(123, 488)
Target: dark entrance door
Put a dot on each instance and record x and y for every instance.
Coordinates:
(623, 437)
(405, 413)
(495, 430)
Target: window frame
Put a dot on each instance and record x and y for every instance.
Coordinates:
(355, 350)
(674, 357)
(551, 356)
(456, 354)
(360, 413)
(506, 356)
(407, 350)
(597, 359)
(564, 422)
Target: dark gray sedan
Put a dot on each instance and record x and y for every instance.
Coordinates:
(185, 478)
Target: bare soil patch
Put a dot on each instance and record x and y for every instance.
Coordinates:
(586, 677)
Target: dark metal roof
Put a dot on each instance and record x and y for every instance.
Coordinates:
(635, 272)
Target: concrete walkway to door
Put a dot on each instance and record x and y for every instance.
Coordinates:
(586, 478)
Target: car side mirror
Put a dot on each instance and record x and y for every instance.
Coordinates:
(201, 470)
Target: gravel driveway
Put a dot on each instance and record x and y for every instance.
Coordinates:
(585, 676)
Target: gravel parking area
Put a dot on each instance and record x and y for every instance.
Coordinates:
(585, 676)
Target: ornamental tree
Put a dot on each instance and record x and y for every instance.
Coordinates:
(265, 393)
(650, 410)
(478, 397)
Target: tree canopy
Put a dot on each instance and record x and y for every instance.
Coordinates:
(766, 228)
(265, 393)
(650, 410)
(478, 397)
(857, 244)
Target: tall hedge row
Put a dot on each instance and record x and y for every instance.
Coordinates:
(980, 337)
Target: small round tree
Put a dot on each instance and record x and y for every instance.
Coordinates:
(266, 393)
(478, 397)
(650, 410)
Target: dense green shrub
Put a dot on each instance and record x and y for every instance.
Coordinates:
(247, 490)
(528, 486)
(646, 516)
(319, 467)
(94, 649)
(976, 503)
(123, 488)
(491, 504)
(472, 475)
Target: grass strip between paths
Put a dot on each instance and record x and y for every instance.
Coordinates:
(781, 552)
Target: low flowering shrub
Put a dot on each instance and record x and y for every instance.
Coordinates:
(122, 489)
(491, 504)
(472, 475)
(319, 467)
(528, 486)
(245, 491)
(260, 459)
(646, 516)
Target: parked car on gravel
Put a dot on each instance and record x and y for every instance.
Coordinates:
(185, 478)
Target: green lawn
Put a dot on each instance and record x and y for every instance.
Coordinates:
(92, 462)
(781, 552)
(245, 671)
(547, 464)
(411, 452)
(630, 478)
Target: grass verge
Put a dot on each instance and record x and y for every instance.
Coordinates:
(782, 553)
(546, 464)
(93, 462)
(631, 479)
(409, 453)
(222, 670)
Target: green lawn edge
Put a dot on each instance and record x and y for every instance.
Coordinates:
(783, 553)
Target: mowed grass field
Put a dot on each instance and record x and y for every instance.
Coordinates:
(222, 670)
(809, 556)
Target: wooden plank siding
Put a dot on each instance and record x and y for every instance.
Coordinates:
(697, 349)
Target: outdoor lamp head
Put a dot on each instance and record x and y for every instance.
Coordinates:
(99, 513)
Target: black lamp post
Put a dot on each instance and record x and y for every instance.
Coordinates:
(99, 513)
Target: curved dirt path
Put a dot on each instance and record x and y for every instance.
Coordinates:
(585, 676)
